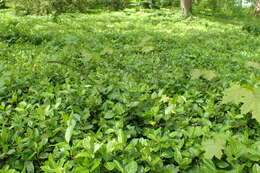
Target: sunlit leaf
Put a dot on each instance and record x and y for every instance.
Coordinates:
(207, 74)
(249, 96)
(213, 147)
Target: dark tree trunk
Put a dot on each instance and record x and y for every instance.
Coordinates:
(186, 7)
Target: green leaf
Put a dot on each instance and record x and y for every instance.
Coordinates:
(235, 94)
(29, 166)
(107, 50)
(118, 166)
(82, 154)
(252, 104)
(207, 74)
(97, 146)
(110, 165)
(122, 137)
(208, 165)
(222, 164)
(247, 95)
(170, 169)
(95, 165)
(213, 147)
(69, 130)
(68, 134)
(256, 168)
(254, 65)
(177, 155)
(109, 115)
(169, 110)
(147, 48)
(131, 167)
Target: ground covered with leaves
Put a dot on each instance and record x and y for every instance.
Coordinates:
(128, 92)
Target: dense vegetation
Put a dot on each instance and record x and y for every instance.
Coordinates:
(129, 91)
(209, 7)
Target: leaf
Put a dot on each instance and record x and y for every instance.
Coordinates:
(177, 155)
(256, 168)
(83, 154)
(146, 44)
(68, 134)
(110, 165)
(110, 147)
(252, 104)
(208, 165)
(118, 166)
(147, 48)
(249, 96)
(235, 94)
(222, 164)
(97, 147)
(169, 110)
(109, 115)
(131, 167)
(29, 166)
(207, 74)
(171, 169)
(254, 65)
(107, 50)
(213, 147)
(95, 165)
(69, 130)
(121, 137)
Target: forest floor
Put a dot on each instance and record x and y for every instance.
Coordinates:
(128, 92)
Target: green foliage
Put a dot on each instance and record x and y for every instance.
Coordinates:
(222, 8)
(41, 7)
(207, 7)
(252, 28)
(125, 92)
(2, 4)
(154, 4)
(250, 97)
(207, 74)
(213, 147)
(25, 7)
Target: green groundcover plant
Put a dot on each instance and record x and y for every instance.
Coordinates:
(128, 92)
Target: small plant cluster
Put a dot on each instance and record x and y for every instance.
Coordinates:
(129, 92)
(252, 28)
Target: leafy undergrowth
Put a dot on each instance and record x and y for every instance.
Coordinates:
(127, 92)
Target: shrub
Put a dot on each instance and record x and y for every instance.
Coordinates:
(2, 3)
(251, 28)
(41, 7)
(221, 7)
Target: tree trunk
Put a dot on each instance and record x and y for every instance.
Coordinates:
(186, 7)
(257, 8)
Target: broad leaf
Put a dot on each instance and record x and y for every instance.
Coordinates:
(207, 74)
(213, 147)
(249, 96)
(254, 65)
(29, 166)
(131, 167)
(69, 130)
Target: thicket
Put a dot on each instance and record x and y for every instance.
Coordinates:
(223, 7)
(2, 4)
(209, 7)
